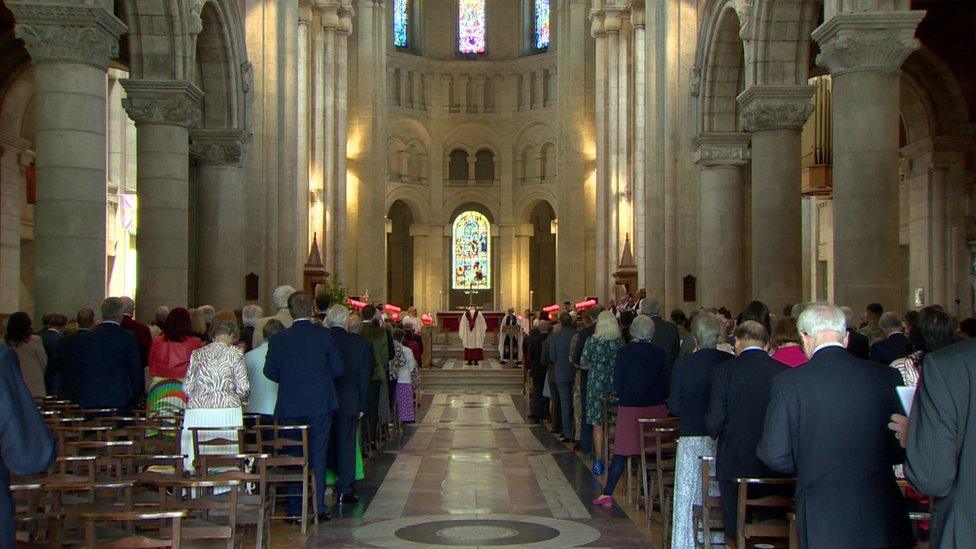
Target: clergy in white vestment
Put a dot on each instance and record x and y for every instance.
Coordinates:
(509, 337)
(472, 330)
(410, 320)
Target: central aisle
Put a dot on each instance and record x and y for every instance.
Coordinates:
(472, 472)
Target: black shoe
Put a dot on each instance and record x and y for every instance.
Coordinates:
(348, 498)
(565, 439)
(293, 520)
(325, 517)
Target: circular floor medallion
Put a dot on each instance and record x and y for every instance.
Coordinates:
(476, 530)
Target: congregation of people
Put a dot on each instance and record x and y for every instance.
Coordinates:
(347, 374)
(808, 395)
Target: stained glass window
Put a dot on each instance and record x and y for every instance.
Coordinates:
(471, 26)
(471, 237)
(401, 22)
(540, 16)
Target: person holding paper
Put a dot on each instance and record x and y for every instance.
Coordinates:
(933, 331)
(825, 423)
(940, 439)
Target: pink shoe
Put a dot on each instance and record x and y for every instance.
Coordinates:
(603, 501)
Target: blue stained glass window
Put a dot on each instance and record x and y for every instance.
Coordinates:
(471, 235)
(471, 26)
(401, 22)
(540, 16)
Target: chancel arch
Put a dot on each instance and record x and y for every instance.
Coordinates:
(542, 254)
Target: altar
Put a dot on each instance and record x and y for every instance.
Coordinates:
(450, 321)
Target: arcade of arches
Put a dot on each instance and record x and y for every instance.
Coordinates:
(785, 150)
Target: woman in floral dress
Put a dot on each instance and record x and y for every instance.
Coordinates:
(600, 353)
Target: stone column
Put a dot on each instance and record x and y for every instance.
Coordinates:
(421, 291)
(640, 135)
(70, 47)
(305, 149)
(219, 267)
(775, 115)
(339, 222)
(721, 226)
(163, 112)
(603, 264)
(864, 52)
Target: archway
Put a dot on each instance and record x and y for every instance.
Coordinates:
(399, 256)
(542, 255)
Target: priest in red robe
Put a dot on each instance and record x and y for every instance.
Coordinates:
(472, 332)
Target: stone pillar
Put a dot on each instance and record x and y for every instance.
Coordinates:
(163, 112)
(70, 47)
(864, 52)
(775, 115)
(472, 167)
(721, 226)
(305, 149)
(339, 222)
(462, 92)
(219, 266)
(603, 264)
(479, 93)
(640, 135)
(324, 124)
(421, 291)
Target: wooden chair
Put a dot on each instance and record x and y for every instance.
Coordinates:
(609, 428)
(72, 499)
(252, 471)
(665, 449)
(771, 528)
(208, 517)
(284, 468)
(215, 440)
(707, 516)
(134, 540)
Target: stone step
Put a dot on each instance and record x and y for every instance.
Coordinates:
(502, 381)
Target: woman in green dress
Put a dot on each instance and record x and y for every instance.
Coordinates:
(600, 353)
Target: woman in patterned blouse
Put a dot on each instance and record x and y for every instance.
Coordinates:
(216, 387)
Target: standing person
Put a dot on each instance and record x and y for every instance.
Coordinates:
(665, 333)
(933, 330)
(411, 320)
(600, 354)
(217, 387)
(30, 352)
(585, 430)
(690, 392)
(857, 343)
(564, 373)
(297, 356)
(509, 340)
(826, 425)
(250, 315)
(736, 407)
(143, 334)
(640, 379)
(264, 392)
(66, 368)
(26, 445)
(156, 327)
(376, 335)
(109, 360)
(940, 439)
(280, 296)
(169, 358)
(53, 328)
(537, 370)
(895, 343)
(785, 342)
(406, 377)
(198, 325)
(872, 328)
(352, 390)
(472, 330)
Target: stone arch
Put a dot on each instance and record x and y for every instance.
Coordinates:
(932, 102)
(219, 65)
(414, 199)
(547, 161)
(399, 250)
(527, 202)
(417, 161)
(458, 164)
(472, 199)
(17, 105)
(528, 163)
(395, 152)
(771, 26)
(721, 52)
(484, 165)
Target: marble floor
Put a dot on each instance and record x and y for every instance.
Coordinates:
(472, 472)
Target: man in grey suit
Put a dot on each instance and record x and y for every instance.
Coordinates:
(565, 372)
(941, 442)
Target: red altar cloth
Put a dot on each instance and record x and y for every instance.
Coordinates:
(449, 321)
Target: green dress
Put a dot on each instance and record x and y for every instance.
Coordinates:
(600, 354)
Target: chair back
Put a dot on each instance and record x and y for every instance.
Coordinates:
(771, 497)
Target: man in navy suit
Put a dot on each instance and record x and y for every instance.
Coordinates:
(739, 394)
(54, 324)
(857, 343)
(894, 345)
(26, 445)
(304, 360)
(109, 362)
(352, 388)
(827, 424)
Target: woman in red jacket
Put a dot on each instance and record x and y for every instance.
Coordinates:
(169, 357)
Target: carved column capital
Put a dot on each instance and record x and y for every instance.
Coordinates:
(328, 12)
(164, 102)
(219, 147)
(597, 28)
(637, 13)
(722, 149)
(346, 13)
(613, 17)
(870, 41)
(775, 107)
(87, 35)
